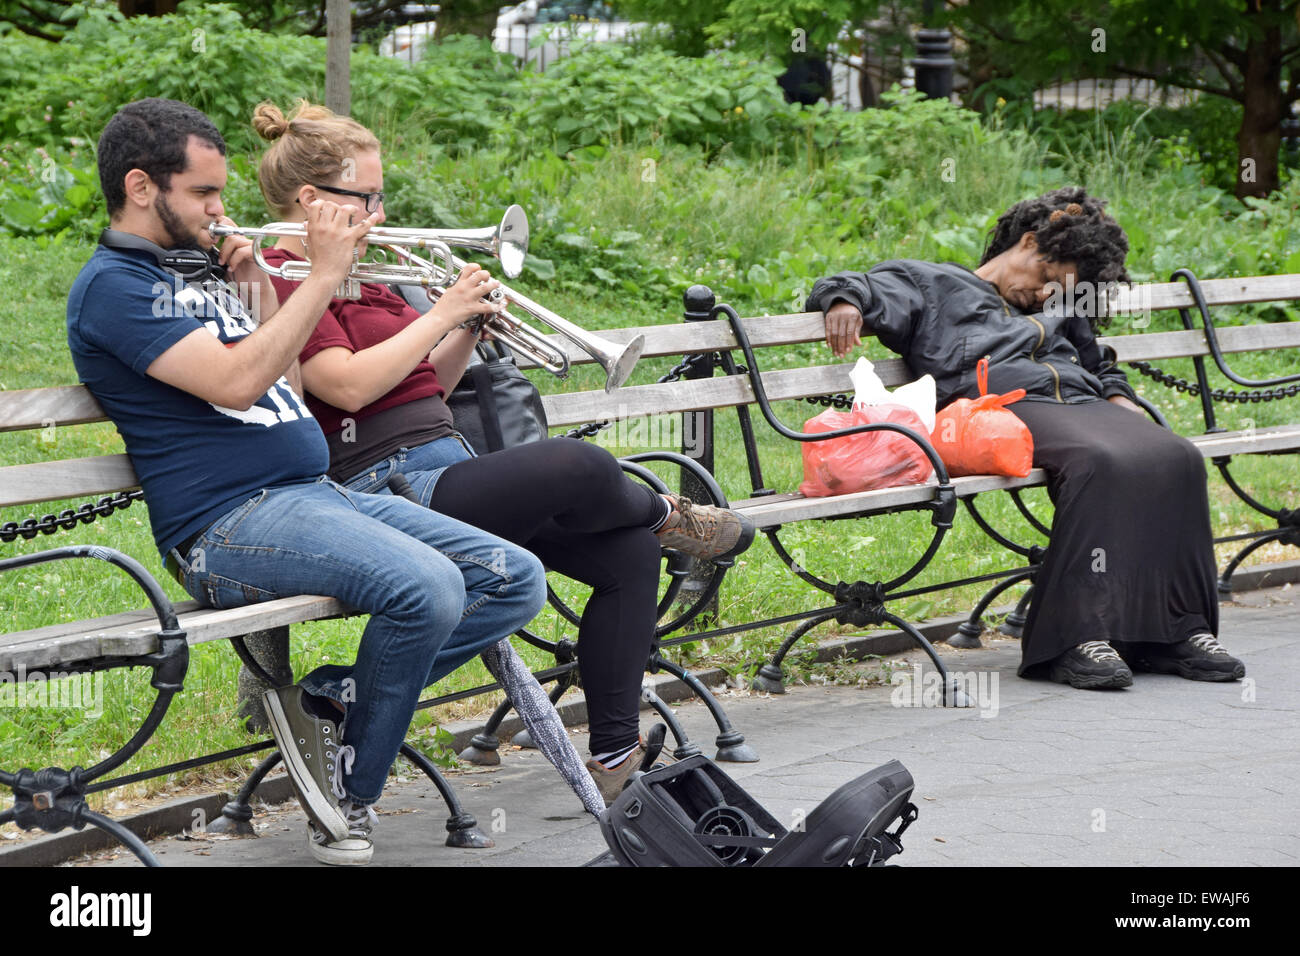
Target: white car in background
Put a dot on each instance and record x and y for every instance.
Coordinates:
(516, 29)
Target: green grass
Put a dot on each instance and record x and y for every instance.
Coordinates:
(696, 222)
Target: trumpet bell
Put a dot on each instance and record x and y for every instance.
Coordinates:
(619, 364)
(512, 241)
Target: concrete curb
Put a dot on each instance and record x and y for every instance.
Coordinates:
(178, 815)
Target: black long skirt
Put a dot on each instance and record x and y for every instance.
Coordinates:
(1131, 557)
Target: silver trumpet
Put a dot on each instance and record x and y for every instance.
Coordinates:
(507, 241)
(617, 360)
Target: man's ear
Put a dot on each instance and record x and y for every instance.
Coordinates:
(1029, 242)
(137, 185)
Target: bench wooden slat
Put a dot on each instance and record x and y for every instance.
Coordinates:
(687, 337)
(717, 392)
(1242, 442)
(134, 632)
(683, 338)
(772, 510)
(1185, 344)
(38, 407)
(69, 478)
(1158, 296)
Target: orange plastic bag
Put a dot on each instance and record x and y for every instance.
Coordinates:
(980, 437)
(867, 460)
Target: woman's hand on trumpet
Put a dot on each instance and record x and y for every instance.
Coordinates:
(466, 298)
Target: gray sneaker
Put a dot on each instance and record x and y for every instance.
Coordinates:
(313, 757)
(703, 531)
(354, 850)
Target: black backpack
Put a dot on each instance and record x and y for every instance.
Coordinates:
(692, 814)
(494, 406)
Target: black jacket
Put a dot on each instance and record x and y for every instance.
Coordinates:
(942, 319)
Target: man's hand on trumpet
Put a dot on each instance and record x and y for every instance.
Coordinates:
(235, 254)
(332, 238)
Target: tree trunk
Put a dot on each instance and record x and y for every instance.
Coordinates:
(338, 56)
(474, 17)
(866, 89)
(1260, 135)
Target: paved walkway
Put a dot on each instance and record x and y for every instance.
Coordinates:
(1165, 772)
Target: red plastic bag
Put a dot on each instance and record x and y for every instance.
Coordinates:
(980, 437)
(867, 460)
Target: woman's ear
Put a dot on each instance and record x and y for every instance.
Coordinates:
(1028, 242)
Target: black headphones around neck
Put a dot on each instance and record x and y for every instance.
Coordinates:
(188, 265)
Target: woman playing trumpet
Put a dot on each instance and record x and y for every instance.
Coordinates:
(375, 374)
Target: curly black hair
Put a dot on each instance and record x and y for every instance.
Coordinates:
(1070, 226)
(149, 135)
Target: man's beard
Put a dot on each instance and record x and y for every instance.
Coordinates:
(178, 237)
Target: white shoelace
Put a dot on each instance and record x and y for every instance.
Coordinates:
(361, 820)
(1208, 643)
(342, 764)
(1098, 651)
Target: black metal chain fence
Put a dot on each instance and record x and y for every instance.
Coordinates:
(68, 518)
(1253, 396)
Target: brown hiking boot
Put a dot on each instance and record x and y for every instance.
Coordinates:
(610, 783)
(703, 531)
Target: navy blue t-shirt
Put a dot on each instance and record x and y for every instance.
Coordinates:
(195, 460)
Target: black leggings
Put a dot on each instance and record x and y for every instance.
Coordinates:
(570, 504)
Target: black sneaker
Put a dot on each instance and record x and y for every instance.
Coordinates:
(313, 757)
(1200, 657)
(1091, 665)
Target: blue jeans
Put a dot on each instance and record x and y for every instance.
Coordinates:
(438, 592)
(422, 465)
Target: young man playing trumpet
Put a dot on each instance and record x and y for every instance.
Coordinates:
(232, 463)
(375, 372)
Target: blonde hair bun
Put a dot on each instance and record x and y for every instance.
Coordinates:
(269, 122)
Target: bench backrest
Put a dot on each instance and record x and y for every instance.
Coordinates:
(87, 477)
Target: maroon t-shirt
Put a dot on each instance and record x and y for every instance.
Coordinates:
(357, 324)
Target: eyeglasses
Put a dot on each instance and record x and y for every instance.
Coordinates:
(373, 200)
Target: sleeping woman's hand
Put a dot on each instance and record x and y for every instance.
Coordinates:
(843, 328)
(1123, 402)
